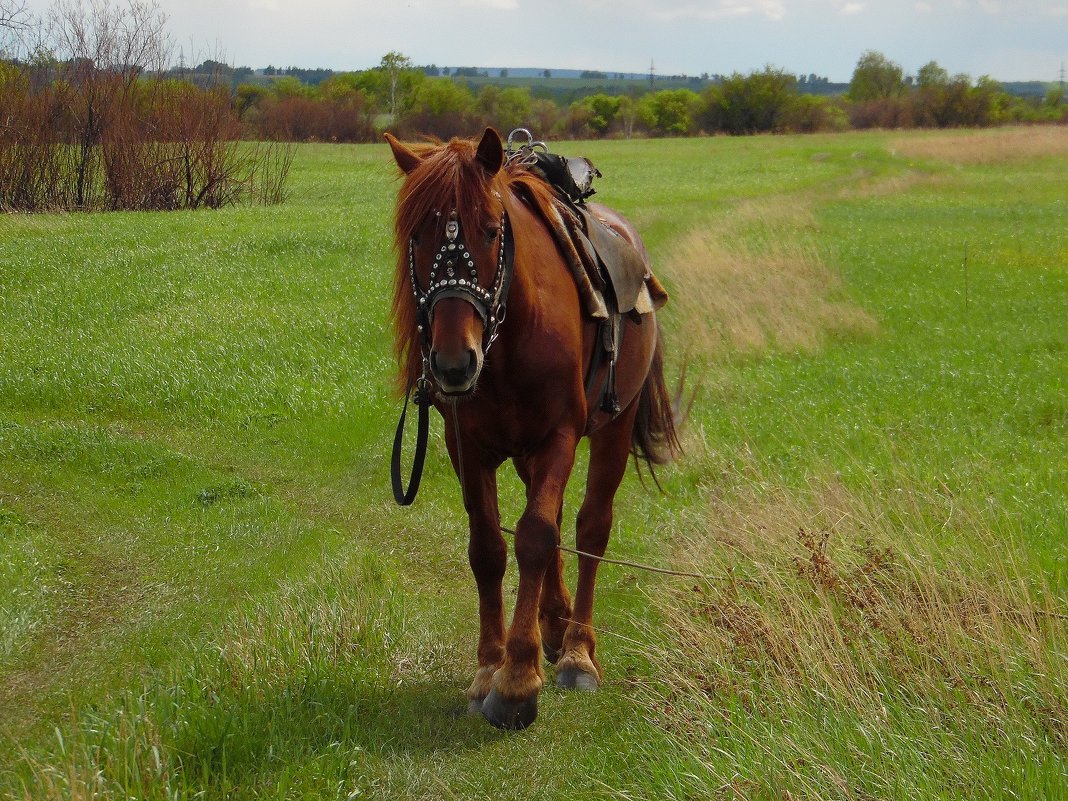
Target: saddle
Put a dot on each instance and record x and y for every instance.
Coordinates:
(613, 278)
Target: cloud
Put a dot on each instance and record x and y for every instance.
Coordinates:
(771, 9)
(495, 5)
(852, 8)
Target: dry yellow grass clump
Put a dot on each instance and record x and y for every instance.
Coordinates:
(1004, 145)
(753, 281)
(856, 599)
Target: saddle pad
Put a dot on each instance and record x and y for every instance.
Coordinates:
(625, 268)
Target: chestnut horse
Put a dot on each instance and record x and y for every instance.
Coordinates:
(461, 209)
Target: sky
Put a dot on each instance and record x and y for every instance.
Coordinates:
(1023, 40)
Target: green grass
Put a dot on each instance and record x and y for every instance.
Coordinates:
(206, 589)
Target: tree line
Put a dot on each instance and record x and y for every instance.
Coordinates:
(403, 98)
(95, 118)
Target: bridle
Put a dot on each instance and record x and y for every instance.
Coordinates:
(453, 274)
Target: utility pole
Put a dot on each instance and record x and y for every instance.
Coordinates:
(652, 73)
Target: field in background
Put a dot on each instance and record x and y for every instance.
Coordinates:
(205, 587)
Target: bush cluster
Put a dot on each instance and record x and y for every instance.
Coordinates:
(406, 100)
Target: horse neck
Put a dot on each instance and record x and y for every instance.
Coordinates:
(542, 293)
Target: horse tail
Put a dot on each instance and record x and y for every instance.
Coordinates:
(654, 438)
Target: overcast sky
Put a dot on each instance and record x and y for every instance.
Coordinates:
(1023, 40)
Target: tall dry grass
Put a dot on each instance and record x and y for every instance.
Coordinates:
(904, 613)
(753, 281)
(1005, 145)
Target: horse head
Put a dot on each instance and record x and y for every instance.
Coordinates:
(452, 234)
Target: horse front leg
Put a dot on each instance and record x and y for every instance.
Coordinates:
(487, 554)
(554, 607)
(513, 701)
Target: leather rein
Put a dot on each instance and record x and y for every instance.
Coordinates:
(453, 274)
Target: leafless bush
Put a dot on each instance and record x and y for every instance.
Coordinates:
(305, 119)
(97, 126)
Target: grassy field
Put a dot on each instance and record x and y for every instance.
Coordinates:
(207, 592)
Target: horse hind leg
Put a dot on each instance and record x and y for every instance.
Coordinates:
(578, 667)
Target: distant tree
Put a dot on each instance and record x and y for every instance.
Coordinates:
(431, 71)
(504, 73)
(931, 75)
(506, 108)
(270, 70)
(443, 97)
(746, 104)
(670, 111)
(875, 78)
(290, 86)
(546, 73)
(593, 75)
(394, 64)
(312, 77)
(601, 110)
(248, 96)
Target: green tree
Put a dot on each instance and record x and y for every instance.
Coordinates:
(443, 96)
(394, 65)
(627, 114)
(507, 108)
(670, 111)
(289, 86)
(602, 110)
(875, 78)
(249, 96)
(931, 75)
(751, 103)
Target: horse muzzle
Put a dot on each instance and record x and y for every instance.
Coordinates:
(455, 374)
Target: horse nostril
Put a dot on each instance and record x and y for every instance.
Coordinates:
(454, 372)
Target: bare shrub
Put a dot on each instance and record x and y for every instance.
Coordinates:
(99, 127)
(305, 119)
(888, 112)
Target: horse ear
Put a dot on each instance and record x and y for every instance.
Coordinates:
(490, 152)
(405, 158)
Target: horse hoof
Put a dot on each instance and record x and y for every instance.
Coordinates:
(506, 714)
(474, 707)
(576, 679)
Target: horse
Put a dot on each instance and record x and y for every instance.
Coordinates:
(473, 247)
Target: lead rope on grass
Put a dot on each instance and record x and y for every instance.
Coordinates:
(622, 562)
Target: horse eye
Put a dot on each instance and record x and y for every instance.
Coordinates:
(491, 234)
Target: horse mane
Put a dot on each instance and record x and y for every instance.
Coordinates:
(448, 177)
